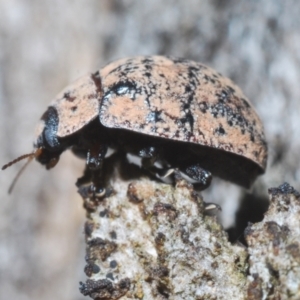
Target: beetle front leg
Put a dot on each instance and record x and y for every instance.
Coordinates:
(93, 174)
(91, 184)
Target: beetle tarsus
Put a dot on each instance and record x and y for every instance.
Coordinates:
(92, 192)
(198, 176)
(168, 173)
(91, 184)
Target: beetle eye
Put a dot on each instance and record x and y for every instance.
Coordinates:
(52, 163)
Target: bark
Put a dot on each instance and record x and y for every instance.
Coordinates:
(153, 241)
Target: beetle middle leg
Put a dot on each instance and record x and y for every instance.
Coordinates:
(194, 174)
(198, 176)
(152, 163)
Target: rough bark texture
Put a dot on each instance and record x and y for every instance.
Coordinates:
(153, 241)
(45, 45)
(157, 238)
(274, 249)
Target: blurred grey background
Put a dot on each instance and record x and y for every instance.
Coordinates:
(44, 45)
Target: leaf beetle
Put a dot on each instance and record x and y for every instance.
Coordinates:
(172, 116)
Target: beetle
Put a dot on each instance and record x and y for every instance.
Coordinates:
(176, 117)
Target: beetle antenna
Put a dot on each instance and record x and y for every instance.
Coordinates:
(16, 160)
(30, 157)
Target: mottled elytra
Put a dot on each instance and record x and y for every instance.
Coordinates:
(173, 117)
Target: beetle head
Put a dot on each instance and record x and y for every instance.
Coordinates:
(47, 140)
(47, 146)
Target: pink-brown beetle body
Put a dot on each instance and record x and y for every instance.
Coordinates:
(174, 114)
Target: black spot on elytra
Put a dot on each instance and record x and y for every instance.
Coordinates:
(208, 79)
(123, 74)
(127, 67)
(224, 96)
(232, 90)
(188, 89)
(218, 110)
(97, 81)
(193, 69)
(245, 102)
(188, 119)
(74, 108)
(203, 107)
(186, 106)
(123, 87)
(147, 74)
(220, 130)
(68, 97)
(154, 116)
(178, 60)
(130, 69)
(192, 73)
(147, 60)
(234, 117)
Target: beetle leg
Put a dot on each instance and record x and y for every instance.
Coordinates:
(85, 178)
(211, 207)
(149, 156)
(93, 173)
(90, 185)
(194, 174)
(151, 163)
(198, 176)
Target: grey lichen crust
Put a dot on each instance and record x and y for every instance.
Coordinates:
(274, 248)
(153, 241)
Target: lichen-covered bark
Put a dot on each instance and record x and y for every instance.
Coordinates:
(274, 248)
(154, 241)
